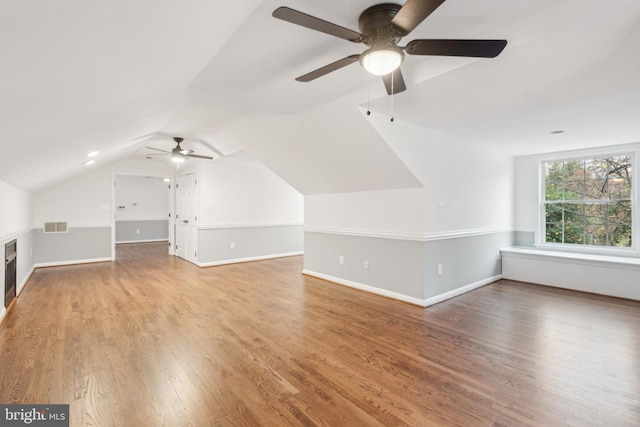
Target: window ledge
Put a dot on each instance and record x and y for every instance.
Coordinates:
(578, 258)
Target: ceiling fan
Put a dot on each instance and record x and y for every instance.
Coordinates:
(381, 28)
(178, 154)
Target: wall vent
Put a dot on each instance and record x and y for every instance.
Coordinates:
(56, 227)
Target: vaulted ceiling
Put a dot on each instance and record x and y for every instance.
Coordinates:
(77, 76)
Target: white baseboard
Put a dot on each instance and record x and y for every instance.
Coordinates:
(401, 297)
(459, 291)
(26, 279)
(80, 261)
(367, 288)
(239, 260)
(3, 311)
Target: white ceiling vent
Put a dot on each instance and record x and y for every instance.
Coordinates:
(56, 227)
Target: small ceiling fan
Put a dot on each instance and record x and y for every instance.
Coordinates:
(178, 154)
(381, 28)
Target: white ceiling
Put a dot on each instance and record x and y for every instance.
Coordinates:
(77, 76)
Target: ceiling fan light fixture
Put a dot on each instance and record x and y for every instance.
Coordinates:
(177, 158)
(381, 60)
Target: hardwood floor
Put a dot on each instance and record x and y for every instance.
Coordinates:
(153, 340)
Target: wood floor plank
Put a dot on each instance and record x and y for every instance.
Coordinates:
(152, 340)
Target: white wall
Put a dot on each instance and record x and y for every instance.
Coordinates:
(331, 149)
(467, 187)
(16, 211)
(83, 201)
(394, 241)
(16, 221)
(241, 191)
(157, 166)
(382, 213)
(143, 198)
(246, 213)
(526, 193)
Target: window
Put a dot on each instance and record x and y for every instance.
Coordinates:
(588, 201)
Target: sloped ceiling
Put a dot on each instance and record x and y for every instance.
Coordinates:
(77, 76)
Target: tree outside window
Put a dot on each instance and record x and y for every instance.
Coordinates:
(588, 201)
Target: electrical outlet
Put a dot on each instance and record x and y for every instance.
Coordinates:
(341, 259)
(439, 269)
(233, 245)
(366, 264)
(137, 231)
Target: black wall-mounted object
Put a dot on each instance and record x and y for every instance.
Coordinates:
(10, 275)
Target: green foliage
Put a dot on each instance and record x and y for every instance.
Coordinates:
(588, 202)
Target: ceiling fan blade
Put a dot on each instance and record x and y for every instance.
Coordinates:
(395, 81)
(157, 149)
(444, 47)
(328, 68)
(158, 154)
(197, 156)
(413, 13)
(299, 18)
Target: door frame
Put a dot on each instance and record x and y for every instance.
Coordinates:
(171, 207)
(176, 220)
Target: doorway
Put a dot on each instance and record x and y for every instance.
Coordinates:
(142, 210)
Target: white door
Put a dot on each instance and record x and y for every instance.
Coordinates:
(187, 217)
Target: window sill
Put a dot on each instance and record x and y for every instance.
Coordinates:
(588, 250)
(573, 257)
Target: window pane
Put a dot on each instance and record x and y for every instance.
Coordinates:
(619, 188)
(575, 190)
(554, 190)
(620, 224)
(574, 170)
(554, 232)
(620, 177)
(596, 213)
(574, 180)
(596, 235)
(596, 189)
(554, 180)
(574, 227)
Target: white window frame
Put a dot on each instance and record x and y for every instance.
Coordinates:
(582, 155)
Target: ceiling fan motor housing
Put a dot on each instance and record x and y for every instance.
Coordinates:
(374, 25)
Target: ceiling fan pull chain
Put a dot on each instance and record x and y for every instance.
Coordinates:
(392, 93)
(368, 94)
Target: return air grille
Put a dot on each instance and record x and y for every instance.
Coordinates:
(56, 227)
